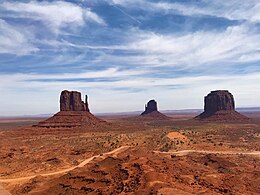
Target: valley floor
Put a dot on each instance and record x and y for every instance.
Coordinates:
(132, 157)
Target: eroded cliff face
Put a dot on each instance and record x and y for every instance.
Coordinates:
(219, 105)
(219, 100)
(73, 113)
(71, 101)
(150, 107)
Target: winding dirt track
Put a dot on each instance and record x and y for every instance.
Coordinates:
(186, 152)
(82, 164)
(3, 191)
(119, 150)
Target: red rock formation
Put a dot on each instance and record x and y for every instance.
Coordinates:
(150, 107)
(71, 101)
(71, 119)
(151, 111)
(219, 105)
(73, 113)
(219, 100)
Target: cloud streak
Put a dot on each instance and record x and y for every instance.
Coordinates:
(137, 88)
(232, 9)
(127, 50)
(55, 15)
(13, 41)
(234, 45)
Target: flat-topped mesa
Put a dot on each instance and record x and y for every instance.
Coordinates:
(219, 105)
(71, 101)
(150, 107)
(219, 100)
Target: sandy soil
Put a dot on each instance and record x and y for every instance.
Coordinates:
(187, 152)
(176, 135)
(3, 191)
(132, 157)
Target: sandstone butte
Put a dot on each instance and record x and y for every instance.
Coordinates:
(73, 113)
(151, 111)
(219, 105)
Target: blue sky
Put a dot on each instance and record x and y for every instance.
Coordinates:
(124, 52)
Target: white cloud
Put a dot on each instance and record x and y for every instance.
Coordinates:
(21, 39)
(89, 15)
(8, 80)
(55, 15)
(234, 10)
(107, 96)
(205, 51)
(15, 40)
(236, 44)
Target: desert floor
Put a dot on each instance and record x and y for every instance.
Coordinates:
(178, 156)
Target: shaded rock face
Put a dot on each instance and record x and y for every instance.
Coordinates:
(150, 107)
(71, 101)
(220, 106)
(219, 100)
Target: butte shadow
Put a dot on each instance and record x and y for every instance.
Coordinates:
(73, 113)
(219, 105)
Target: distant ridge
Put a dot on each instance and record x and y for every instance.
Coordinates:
(180, 111)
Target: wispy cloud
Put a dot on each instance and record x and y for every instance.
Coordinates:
(15, 40)
(236, 44)
(118, 50)
(138, 88)
(54, 15)
(232, 9)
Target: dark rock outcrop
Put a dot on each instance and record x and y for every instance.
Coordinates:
(151, 106)
(71, 101)
(151, 112)
(219, 105)
(218, 100)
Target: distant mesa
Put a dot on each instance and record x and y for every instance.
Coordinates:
(73, 113)
(151, 111)
(219, 105)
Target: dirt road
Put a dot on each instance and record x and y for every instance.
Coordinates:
(186, 152)
(3, 191)
(88, 160)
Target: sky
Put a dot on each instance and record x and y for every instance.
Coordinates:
(122, 53)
